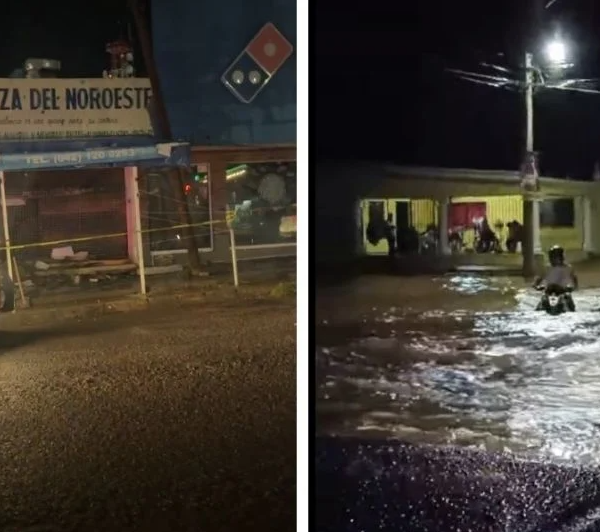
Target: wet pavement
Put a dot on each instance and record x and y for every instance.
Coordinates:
(364, 485)
(462, 360)
(173, 419)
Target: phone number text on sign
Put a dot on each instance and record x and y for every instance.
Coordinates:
(80, 157)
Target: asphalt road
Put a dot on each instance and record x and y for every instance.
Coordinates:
(393, 486)
(178, 419)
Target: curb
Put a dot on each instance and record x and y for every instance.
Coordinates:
(79, 310)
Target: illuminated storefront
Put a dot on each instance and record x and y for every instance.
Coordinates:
(453, 203)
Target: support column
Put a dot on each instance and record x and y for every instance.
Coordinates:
(535, 215)
(9, 265)
(130, 175)
(359, 243)
(588, 235)
(443, 210)
(135, 246)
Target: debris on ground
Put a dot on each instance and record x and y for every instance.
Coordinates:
(68, 267)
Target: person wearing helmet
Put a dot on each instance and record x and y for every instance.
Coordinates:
(559, 273)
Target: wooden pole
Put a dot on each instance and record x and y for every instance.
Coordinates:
(139, 244)
(9, 264)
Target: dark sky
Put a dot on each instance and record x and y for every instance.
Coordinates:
(382, 91)
(76, 32)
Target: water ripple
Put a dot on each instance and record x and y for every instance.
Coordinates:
(511, 379)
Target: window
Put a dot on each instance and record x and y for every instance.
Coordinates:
(464, 215)
(557, 213)
(261, 202)
(163, 209)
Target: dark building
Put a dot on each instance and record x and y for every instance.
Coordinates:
(228, 74)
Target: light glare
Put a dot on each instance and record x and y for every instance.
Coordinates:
(556, 52)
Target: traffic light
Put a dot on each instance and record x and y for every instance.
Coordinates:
(187, 188)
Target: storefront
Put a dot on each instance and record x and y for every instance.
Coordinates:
(238, 107)
(561, 220)
(250, 190)
(72, 152)
(453, 201)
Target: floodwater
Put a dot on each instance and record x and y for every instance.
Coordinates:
(462, 360)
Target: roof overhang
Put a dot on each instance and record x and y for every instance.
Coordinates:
(379, 178)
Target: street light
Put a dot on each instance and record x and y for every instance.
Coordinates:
(556, 54)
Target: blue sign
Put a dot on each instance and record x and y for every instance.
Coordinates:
(167, 154)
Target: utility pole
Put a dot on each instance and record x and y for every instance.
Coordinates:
(165, 131)
(528, 204)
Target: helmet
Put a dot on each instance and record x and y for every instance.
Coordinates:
(556, 255)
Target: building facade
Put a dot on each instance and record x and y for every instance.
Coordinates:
(228, 77)
(354, 200)
(72, 151)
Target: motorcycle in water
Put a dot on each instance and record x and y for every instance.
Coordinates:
(556, 300)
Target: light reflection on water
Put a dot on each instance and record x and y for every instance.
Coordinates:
(514, 380)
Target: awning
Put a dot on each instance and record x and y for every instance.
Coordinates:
(171, 154)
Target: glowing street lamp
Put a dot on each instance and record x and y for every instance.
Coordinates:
(556, 52)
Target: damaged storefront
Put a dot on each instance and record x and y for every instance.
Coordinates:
(71, 192)
(59, 205)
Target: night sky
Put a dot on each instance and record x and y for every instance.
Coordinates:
(75, 32)
(382, 92)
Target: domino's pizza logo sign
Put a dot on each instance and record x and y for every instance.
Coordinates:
(257, 64)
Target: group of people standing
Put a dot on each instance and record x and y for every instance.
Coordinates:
(405, 240)
(408, 239)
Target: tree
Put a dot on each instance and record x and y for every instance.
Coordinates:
(162, 122)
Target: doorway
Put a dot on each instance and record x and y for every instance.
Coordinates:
(374, 214)
(403, 217)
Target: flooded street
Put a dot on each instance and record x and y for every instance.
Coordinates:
(460, 359)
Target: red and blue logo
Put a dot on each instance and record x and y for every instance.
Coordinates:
(257, 64)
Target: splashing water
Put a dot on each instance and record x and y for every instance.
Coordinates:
(510, 379)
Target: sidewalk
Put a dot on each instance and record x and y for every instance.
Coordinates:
(331, 273)
(95, 303)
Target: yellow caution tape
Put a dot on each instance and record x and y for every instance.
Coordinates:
(229, 216)
(54, 243)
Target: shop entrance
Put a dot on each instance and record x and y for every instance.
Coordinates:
(403, 218)
(374, 214)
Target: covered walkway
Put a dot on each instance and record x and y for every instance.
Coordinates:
(428, 195)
